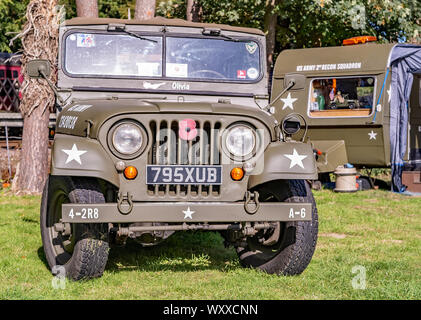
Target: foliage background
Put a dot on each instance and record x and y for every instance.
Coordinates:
(301, 23)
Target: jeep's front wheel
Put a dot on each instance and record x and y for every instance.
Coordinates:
(81, 249)
(288, 248)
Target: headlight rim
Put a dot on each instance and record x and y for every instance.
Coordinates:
(232, 156)
(112, 147)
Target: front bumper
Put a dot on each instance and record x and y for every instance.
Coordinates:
(181, 212)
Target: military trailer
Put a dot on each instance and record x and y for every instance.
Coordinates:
(355, 100)
(165, 126)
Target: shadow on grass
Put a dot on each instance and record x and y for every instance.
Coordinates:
(41, 256)
(182, 252)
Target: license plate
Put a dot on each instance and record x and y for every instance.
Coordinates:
(183, 174)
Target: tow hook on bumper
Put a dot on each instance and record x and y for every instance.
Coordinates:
(125, 203)
(252, 197)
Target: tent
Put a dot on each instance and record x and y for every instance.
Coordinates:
(404, 62)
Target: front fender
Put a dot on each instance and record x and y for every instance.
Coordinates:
(285, 160)
(82, 157)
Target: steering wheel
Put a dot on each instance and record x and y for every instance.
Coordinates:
(220, 75)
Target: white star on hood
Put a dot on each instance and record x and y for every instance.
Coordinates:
(296, 159)
(288, 102)
(188, 213)
(74, 154)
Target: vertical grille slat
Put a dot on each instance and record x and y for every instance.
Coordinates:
(169, 149)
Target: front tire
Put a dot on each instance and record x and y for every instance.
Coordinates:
(288, 248)
(84, 252)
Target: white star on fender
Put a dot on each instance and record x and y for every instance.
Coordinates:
(188, 213)
(74, 154)
(389, 92)
(372, 135)
(288, 102)
(296, 159)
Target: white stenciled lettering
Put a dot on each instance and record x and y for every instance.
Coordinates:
(180, 86)
(291, 213)
(79, 107)
(68, 122)
(330, 66)
(303, 213)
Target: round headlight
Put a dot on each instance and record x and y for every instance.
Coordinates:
(127, 138)
(240, 140)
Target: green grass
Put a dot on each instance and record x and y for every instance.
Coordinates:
(375, 229)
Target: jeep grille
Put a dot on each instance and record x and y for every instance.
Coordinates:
(168, 148)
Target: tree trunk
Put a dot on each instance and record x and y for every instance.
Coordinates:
(193, 11)
(40, 41)
(145, 9)
(270, 22)
(87, 8)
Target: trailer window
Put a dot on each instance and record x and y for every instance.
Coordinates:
(342, 97)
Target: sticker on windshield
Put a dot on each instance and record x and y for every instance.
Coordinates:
(252, 73)
(148, 69)
(241, 74)
(251, 47)
(178, 70)
(85, 40)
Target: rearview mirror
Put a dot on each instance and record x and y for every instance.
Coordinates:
(39, 68)
(298, 79)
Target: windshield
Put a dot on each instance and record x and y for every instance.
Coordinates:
(104, 54)
(189, 58)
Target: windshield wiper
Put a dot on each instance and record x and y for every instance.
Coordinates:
(122, 28)
(217, 33)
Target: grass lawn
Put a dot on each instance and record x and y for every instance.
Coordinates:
(378, 230)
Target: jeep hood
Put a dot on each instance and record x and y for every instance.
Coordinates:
(74, 119)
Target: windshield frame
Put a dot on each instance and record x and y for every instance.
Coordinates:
(164, 35)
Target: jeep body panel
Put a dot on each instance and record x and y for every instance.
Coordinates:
(286, 160)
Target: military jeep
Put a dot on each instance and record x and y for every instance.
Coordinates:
(164, 126)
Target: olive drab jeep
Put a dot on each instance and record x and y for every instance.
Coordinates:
(164, 126)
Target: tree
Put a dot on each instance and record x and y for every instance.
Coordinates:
(12, 15)
(87, 8)
(40, 41)
(270, 20)
(193, 11)
(145, 9)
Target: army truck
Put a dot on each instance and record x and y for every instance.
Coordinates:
(165, 126)
(358, 100)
